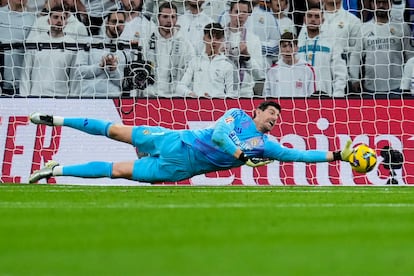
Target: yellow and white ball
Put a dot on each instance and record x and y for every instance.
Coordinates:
(363, 159)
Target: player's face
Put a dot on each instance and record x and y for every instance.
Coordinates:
(239, 15)
(57, 21)
(313, 19)
(266, 119)
(167, 18)
(278, 5)
(381, 7)
(213, 44)
(115, 25)
(288, 49)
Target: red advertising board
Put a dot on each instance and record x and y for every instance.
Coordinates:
(318, 123)
(324, 124)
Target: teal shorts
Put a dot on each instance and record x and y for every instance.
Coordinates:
(169, 159)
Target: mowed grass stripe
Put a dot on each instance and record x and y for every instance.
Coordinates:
(89, 230)
(71, 205)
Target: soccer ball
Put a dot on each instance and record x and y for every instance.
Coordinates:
(363, 159)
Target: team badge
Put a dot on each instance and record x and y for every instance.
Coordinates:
(146, 132)
(228, 120)
(299, 84)
(261, 20)
(392, 31)
(341, 25)
(137, 34)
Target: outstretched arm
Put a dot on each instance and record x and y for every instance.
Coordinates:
(276, 151)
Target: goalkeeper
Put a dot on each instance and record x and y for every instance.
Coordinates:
(236, 139)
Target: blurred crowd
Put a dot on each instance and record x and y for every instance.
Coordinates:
(206, 48)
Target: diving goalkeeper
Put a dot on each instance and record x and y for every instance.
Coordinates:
(235, 139)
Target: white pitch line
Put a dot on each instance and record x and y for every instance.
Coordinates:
(226, 189)
(70, 205)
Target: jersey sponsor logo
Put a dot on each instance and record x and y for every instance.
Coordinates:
(228, 120)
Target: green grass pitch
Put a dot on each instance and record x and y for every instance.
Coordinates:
(84, 230)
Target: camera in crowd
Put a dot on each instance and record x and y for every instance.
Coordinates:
(393, 160)
(138, 73)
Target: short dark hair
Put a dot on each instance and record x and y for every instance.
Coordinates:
(166, 5)
(264, 105)
(214, 30)
(288, 37)
(57, 8)
(248, 3)
(114, 11)
(316, 6)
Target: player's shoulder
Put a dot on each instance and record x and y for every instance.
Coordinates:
(235, 113)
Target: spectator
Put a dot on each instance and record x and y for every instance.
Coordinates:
(215, 8)
(74, 27)
(15, 25)
(99, 72)
(137, 27)
(243, 48)
(279, 8)
(345, 28)
(192, 24)
(168, 51)
(263, 25)
(290, 76)
(407, 81)
(152, 6)
(386, 47)
(322, 52)
(211, 74)
(132, 8)
(47, 72)
(97, 10)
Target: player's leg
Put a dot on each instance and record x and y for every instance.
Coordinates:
(95, 169)
(89, 125)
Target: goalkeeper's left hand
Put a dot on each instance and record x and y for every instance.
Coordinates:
(347, 151)
(257, 162)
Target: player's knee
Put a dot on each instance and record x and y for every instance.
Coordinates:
(120, 132)
(122, 170)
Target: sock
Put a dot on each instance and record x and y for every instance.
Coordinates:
(93, 169)
(91, 126)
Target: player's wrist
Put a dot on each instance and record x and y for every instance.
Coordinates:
(337, 155)
(243, 157)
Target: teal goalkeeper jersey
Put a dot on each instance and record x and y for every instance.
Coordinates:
(235, 129)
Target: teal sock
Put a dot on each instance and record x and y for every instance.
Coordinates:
(95, 169)
(91, 126)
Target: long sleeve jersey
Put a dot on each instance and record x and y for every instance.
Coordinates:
(236, 129)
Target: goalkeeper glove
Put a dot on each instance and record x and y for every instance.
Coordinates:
(254, 161)
(345, 153)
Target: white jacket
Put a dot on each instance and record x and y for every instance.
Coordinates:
(284, 80)
(74, 28)
(92, 80)
(48, 72)
(254, 68)
(192, 28)
(138, 29)
(345, 28)
(205, 75)
(169, 58)
(407, 81)
(325, 56)
(386, 47)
